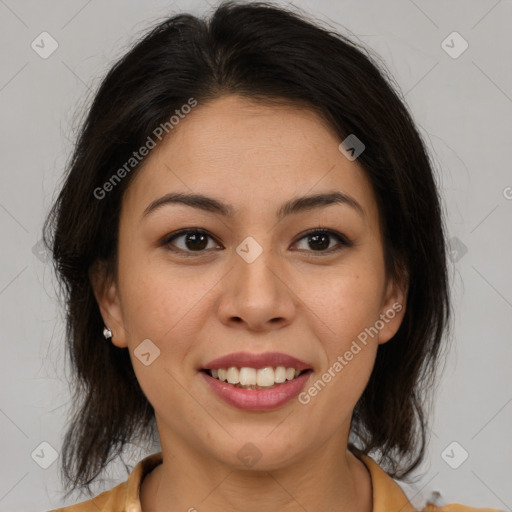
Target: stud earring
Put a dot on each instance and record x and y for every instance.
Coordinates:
(107, 333)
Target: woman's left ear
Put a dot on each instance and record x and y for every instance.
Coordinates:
(393, 308)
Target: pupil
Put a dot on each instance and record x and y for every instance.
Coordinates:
(194, 238)
(198, 241)
(325, 238)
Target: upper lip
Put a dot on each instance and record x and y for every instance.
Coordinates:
(241, 359)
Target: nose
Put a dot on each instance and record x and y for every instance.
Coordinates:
(256, 295)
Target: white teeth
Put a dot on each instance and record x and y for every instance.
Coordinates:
(247, 376)
(290, 373)
(265, 377)
(280, 374)
(232, 375)
(261, 377)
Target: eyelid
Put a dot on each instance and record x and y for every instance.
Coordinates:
(343, 240)
(166, 241)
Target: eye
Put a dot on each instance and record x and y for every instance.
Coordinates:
(319, 239)
(193, 240)
(197, 240)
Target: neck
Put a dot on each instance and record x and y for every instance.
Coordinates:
(323, 480)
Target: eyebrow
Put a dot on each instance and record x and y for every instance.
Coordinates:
(294, 206)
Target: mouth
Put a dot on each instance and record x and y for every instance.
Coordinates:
(251, 378)
(256, 382)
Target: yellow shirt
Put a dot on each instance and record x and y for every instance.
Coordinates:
(387, 495)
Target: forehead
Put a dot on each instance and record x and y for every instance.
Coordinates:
(235, 129)
(243, 150)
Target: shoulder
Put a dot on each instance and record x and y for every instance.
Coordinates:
(388, 495)
(122, 498)
(456, 507)
(112, 499)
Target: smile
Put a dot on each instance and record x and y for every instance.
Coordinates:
(255, 378)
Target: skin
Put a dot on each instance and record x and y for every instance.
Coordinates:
(294, 298)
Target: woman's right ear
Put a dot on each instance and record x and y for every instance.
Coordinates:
(105, 291)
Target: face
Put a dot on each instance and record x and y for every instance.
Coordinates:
(203, 283)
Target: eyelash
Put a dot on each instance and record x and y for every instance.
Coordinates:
(342, 239)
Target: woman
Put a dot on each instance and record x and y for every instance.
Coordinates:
(252, 249)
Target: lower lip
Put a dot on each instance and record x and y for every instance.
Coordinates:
(257, 399)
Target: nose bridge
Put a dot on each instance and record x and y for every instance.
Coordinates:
(256, 265)
(256, 293)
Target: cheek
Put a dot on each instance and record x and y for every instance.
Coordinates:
(349, 348)
(154, 298)
(348, 303)
(347, 307)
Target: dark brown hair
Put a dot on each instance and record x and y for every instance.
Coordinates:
(265, 53)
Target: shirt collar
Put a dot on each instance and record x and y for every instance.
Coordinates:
(387, 494)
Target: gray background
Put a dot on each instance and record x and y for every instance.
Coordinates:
(463, 107)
